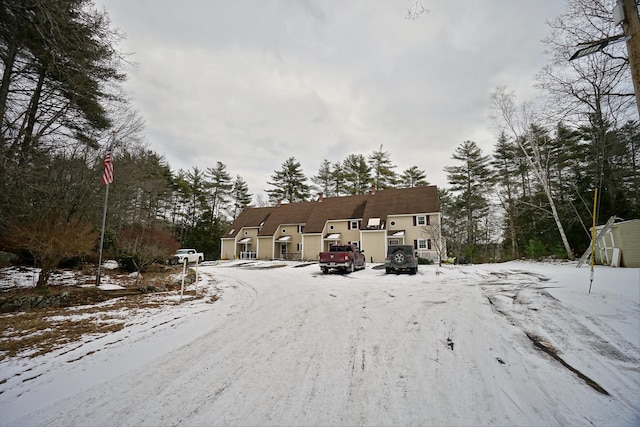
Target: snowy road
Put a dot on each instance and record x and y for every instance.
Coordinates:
(286, 345)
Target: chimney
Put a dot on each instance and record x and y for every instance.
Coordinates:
(373, 190)
(279, 203)
(320, 197)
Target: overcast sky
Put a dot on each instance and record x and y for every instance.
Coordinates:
(252, 83)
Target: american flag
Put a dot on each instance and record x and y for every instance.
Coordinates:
(107, 176)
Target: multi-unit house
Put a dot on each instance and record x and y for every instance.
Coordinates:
(299, 231)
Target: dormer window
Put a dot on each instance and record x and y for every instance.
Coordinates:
(373, 223)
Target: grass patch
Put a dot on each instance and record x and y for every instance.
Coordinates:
(92, 312)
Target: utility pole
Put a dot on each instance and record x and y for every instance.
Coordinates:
(626, 13)
(631, 28)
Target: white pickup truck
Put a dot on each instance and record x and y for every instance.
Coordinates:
(189, 254)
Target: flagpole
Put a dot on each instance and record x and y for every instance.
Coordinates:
(104, 221)
(107, 177)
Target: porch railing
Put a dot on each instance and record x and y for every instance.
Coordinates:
(248, 255)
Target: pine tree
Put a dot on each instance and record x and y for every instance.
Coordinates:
(413, 177)
(505, 167)
(338, 183)
(240, 196)
(470, 180)
(58, 59)
(382, 174)
(195, 196)
(289, 182)
(357, 174)
(324, 179)
(220, 186)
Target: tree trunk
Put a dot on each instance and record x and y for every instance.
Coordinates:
(34, 104)
(6, 80)
(45, 274)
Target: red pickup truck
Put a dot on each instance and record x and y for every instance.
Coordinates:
(347, 258)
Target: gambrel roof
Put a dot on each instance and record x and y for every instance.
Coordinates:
(315, 214)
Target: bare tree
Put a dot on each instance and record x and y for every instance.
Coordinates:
(143, 246)
(519, 123)
(598, 85)
(433, 232)
(415, 8)
(51, 240)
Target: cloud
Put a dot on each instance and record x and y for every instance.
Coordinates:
(252, 83)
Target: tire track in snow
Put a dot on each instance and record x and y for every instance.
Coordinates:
(295, 349)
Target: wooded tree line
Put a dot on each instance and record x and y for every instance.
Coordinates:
(497, 207)
(61, 104)
(356, 174)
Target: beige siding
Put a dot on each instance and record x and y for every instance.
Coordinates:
(251, 246)
(626, 237)
(312, 245)
(265, 248)
(341, 227)
(414, 233)
(291, 246)
(629, 236)
(227, 251)
(374, 245)
(331, 216)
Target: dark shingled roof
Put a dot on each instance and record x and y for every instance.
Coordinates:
(401, 201)
(315, 214)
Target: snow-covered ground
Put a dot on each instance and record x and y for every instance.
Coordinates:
(500, 344)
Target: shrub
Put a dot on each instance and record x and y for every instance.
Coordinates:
(535, 249)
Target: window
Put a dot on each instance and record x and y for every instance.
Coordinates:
(284, 230)
(353, 225)
(300, 229)
(394, 241)
(392, 223)
(373, 223)
(331, 227)
(356, 244)
(422, 243)
(421, 220)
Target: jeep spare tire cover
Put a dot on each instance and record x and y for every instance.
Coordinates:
(398, 257)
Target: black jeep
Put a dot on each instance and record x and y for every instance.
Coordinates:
(401, 258)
